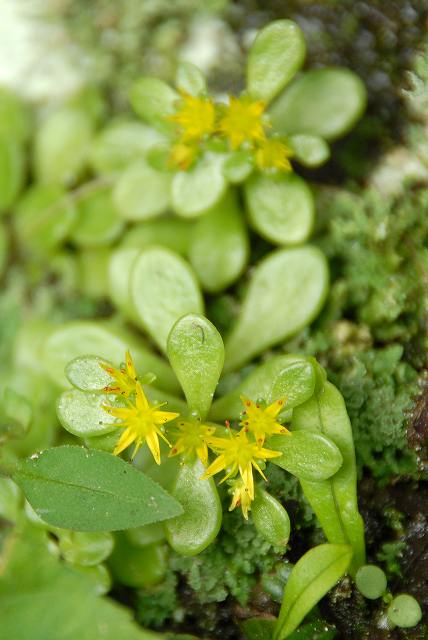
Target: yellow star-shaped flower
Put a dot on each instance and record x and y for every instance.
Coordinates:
(125, 378)
(242, 121)
(240, 498)
(192, 441)
(262, 422)
(273, 154)
(238, 454)
(195, 117)
(142, 423)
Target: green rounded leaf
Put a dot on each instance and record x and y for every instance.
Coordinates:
(311, 578)
(219, 246)
(15, 122)
(321, 102)
(137, 566)
(276, 55)
(142, 192)
(77, 338)
(280, 208)
(309, 456)
(172, 233)
(310, 151)
(288, 376)
(120, 144)
(12, 172)
(82, 414)
(197, 527)
(371, 581)
(92, 268)
(62, 146)
(44, 217)
(148, 534)
(195, 191)
(196, 353)
(89, 490)
(4, 248)
(404, 611)
(270, 518)
(238, 166)
(190, 79)
(85, 549)
(163, 288)
(286, 292)
(154, 100)
(98, 223)
(121, 263)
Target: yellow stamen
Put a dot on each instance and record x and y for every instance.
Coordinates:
(261, 422)
(192, 441)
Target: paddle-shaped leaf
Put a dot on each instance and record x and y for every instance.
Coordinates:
(163, 288)
(270, 518)
(311, 578)
(290, 377)
(276, 54)
(89, 490)
(197, 527)
(286, 292)
(309, 456)
(153, 100)
(196, 353)
(334, 500)
(195, 191)
(190, 79)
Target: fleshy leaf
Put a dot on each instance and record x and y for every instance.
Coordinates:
(11, 171)
(290, 377)
(311, 578)
(190, 79)
(321, 102)
(82, 413)
(219, 245)
(275, 56)
(169, 232)
(309, 456)
(98, 223)
(195, 191)
(310, 151)
(196, 353)
(286, 292)
(89, 490)
(270, 518)
(163, 288)
(196, 528)
(153, 100)
(280, 208)
(142, 192)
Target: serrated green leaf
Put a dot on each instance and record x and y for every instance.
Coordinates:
(311, 578)
(196, 528)
(286, 292)
(289, 376)
(321, 102)
(309, 456)
(89, 490)
(196, 353)
(163, 288)
(275, 56)
(280, 208)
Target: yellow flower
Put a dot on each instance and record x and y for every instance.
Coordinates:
(242, 121)
(238, 454)
(142, 422)
(273, 154)
(183, 155)
(195, 117)
(262, 422)
(192, 440)
(241, 498)
(126, 377)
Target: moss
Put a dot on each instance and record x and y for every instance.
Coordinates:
(157, 604)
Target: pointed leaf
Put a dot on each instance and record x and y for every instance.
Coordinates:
(163, 288)
(219, 248)
(311, 578)
(196, 353)
(196, 528)
(309, 456)
(89, 490)
(286, 292)
(275, 56)
(280, 208)
(321, 102)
